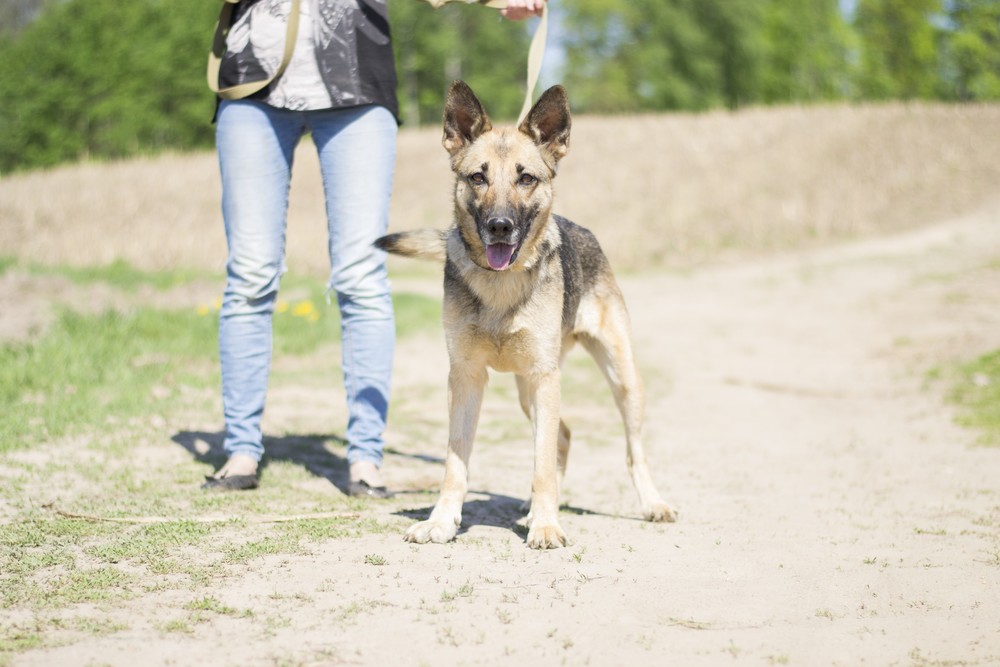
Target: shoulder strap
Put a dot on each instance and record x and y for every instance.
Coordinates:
(219, 49)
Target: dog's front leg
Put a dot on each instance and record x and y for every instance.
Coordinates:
(466, 382)
(543, 522)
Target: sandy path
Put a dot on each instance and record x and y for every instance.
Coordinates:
(831, 513)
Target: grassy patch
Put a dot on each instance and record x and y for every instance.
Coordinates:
(976, 390)
(84, 396)
(120, 275)
(6, 263)
(89, 368)
(304, 324)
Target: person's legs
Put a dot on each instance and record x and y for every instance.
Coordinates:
(357, 149)
(255, 145)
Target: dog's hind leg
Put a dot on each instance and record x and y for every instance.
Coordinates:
(466, 382)
(524, 396)
(611, 347)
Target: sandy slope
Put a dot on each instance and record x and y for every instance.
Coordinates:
(831, 512)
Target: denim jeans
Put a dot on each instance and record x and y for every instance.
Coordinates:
(356, 147)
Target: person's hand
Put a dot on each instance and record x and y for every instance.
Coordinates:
(518, 10)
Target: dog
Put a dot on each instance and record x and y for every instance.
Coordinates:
(521, 286)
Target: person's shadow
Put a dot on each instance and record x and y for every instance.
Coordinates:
(311, 452)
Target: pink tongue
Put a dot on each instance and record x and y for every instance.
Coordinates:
(498, 255)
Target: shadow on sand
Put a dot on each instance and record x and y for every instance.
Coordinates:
(481, 508)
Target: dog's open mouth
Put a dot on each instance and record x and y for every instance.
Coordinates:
(500, 255)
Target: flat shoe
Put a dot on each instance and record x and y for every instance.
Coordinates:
(231, 482)
(362, 489)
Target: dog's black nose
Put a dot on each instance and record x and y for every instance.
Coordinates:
(500, 227)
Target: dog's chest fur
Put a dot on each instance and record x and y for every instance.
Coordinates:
(510, 319)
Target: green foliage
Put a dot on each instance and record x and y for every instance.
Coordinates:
(105, 79)
(646, 54)
(807, 52)
(974, 48)
(899, 55)
(435, 47)
(700, 54)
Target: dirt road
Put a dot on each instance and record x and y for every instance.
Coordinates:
(831, 511)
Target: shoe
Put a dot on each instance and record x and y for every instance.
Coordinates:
(238, 474)
(231, 483)
(361, 489)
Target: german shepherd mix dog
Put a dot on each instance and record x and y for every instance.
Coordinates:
(521, 286)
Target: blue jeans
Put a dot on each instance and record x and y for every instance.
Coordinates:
(357, 148)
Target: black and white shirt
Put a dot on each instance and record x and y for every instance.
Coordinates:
(342, 57)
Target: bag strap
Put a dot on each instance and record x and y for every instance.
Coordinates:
(242, 90)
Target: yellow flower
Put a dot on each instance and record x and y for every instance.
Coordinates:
(282, 307)
(305, 309)
(204, 310)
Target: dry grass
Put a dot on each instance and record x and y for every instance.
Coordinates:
(658, 190)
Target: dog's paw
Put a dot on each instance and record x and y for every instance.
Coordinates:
(660, 511)
(431, 531)
(549, 536)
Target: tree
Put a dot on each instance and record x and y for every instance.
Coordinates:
(899, 49)
(973, 44)
(435, 47)
(644, 54)
(807, 46)
(685, 54)
(104, 78)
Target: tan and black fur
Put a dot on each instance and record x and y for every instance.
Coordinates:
(521, 286)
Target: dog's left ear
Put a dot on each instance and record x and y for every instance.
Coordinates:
(548, 122)
(464, 118)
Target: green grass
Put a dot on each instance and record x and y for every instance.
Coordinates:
(87, 389)
(89, 369)
(303, 325)
(120, 275)
(976, 391)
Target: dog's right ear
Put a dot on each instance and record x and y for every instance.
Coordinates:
(464, 118)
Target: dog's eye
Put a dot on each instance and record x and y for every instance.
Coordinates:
(477, 178)
(527, 179)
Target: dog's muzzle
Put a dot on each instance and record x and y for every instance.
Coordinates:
(502, 241)
(501, 238)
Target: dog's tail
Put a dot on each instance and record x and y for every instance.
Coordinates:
(420, 244)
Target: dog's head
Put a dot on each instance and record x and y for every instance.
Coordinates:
(503, 189)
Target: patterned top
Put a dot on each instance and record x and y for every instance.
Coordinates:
(342, 57)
